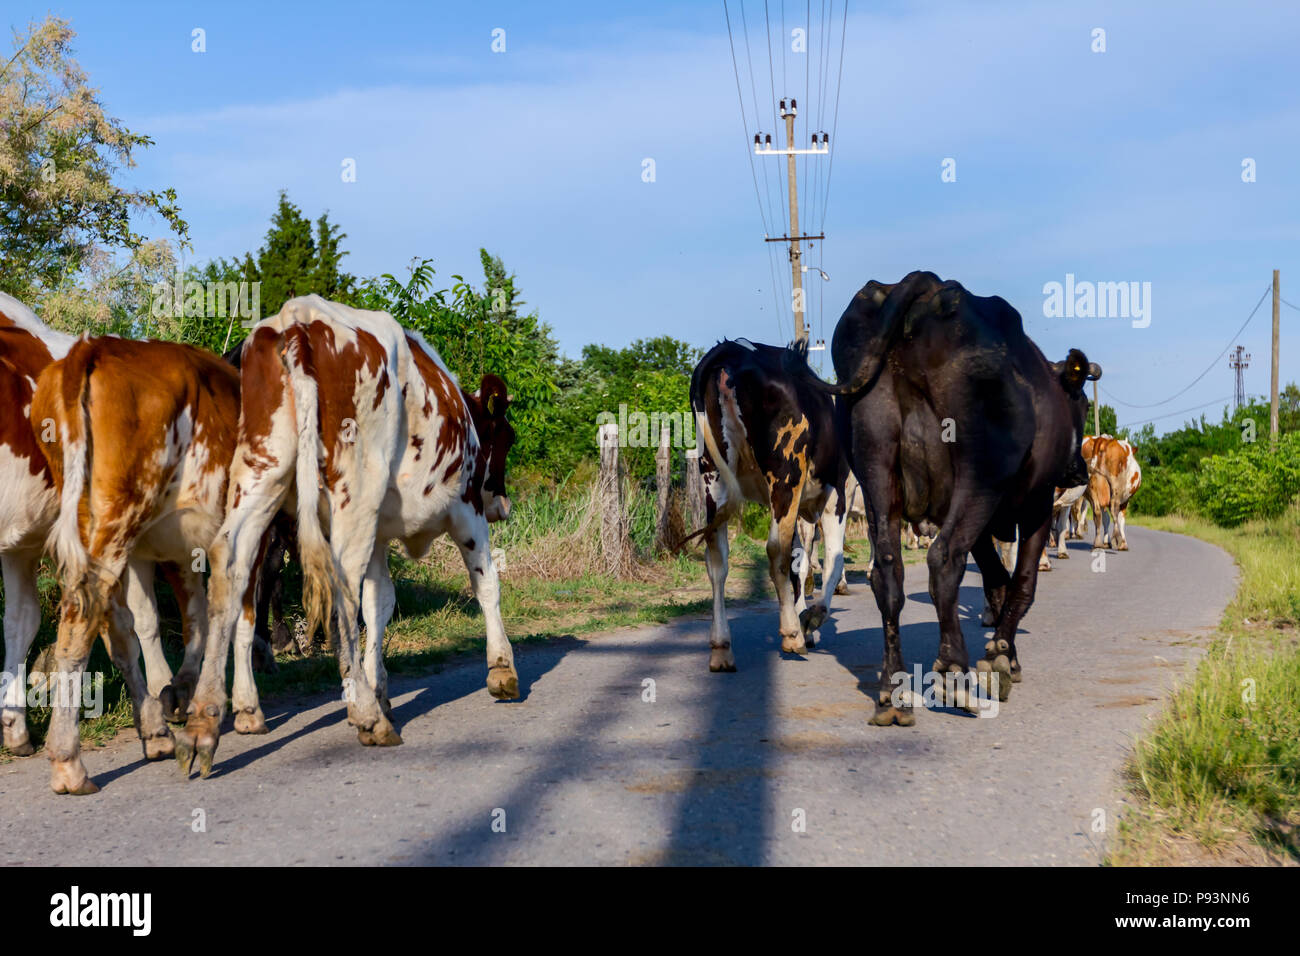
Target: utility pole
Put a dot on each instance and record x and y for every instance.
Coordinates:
(1272, 399)
(796, 274)
(1096, 410)
(821, 145)
(1239, 361)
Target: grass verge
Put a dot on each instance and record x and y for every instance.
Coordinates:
(1218, 778)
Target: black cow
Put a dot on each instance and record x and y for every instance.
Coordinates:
(768, 435)
(951, 414)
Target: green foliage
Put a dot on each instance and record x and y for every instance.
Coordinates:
(477, 332)
(1225, 471)
(1164, 491)
(756, 521)
(1258, 480)
(650, 377)
(61, 205)
(1109, 423)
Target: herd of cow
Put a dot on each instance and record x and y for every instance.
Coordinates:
(954, 425)
(122, 457)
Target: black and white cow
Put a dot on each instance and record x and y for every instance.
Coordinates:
(768, 436)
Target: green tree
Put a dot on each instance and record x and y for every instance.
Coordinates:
(60, 157)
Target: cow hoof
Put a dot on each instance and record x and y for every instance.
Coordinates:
(19, 746)
(993, 674)
(156, 748)
(250, 722)
(69, 776)
(810, 619)
(953, 687)
(502, 683)
(382, 734)
(794, 644)
(887, 715)
(841, 588)
(721, 660)
(1062, 556)
(198, 739)
(175, 701)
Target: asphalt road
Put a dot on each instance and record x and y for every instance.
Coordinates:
(719, 768)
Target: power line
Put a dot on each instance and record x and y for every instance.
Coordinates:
(740, 97)
(1286, 303)
(835, 122)
(1225, 399)
(1208, 368)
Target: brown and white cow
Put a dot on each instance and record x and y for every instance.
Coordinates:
(770, 438)
(139, 450)
(355, 425)
(1114, 477)
(29, 502)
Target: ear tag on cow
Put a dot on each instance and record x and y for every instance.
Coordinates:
(490, 404)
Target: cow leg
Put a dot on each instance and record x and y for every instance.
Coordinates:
(832, 526)
(995, 575)
(124, 649)
(785, 496)
(63, 741)
(22, 620)
(192, 597)
(967, 524)
(1120, 522)
(142, 602)
(233, 557)
(1098, 511)
(471, 533)
(378, 598)
(244, 702)
(886, 528)
(1060, 522)
(1000, 653)
(716, 547)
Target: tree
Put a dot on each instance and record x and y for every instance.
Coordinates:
(472, 339)
(59, 156)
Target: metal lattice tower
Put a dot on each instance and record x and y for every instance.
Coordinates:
(1239, 361)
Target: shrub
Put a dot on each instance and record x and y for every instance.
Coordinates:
(1164, 491)
(1257, 481)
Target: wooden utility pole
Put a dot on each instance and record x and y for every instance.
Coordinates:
(1096, 410)
(821, 145)
(796, 257)
(1272, 400)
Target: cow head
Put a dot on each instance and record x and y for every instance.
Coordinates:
(1073, 374)
(488, 406)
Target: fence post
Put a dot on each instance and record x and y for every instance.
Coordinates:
(610, 496)
(694, 490)
(664, 487)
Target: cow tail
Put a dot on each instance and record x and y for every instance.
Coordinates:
(319, 575)
(76, 439)
(704, 432)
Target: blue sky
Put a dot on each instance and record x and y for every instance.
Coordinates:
(1115, 166)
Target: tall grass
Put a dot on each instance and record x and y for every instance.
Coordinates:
(1221, 769)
